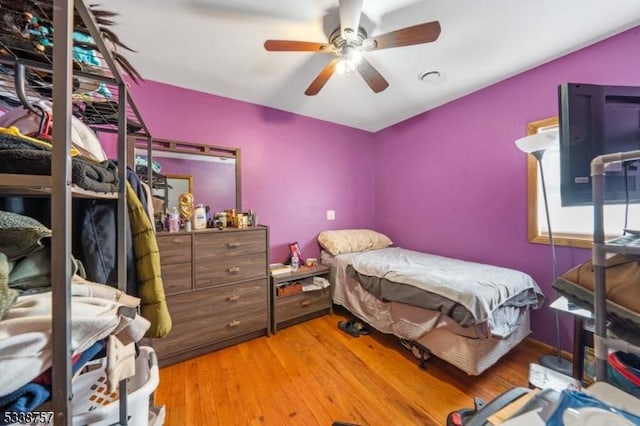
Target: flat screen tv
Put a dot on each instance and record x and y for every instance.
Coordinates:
(596, 120)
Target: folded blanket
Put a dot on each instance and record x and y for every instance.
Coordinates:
(28, 398)
(21, 156)
(25, 335)
(7, 295)
(25, 241)
(20, 235)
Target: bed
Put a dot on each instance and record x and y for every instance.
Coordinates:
(416, 297)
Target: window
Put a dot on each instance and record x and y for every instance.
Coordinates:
(571, 226)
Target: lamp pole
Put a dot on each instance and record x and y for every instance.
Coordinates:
(556, 363)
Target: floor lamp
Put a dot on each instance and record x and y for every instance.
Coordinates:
(536, 145)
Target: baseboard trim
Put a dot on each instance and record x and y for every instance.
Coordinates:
(545, 347)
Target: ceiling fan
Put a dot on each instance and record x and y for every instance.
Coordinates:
(349, 41)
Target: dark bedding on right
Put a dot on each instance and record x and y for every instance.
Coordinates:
(622, 290)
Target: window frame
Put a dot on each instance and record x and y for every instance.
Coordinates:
(534, 233)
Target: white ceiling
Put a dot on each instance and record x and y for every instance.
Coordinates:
(216, 46)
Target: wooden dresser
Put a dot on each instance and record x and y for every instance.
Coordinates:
(217, 289)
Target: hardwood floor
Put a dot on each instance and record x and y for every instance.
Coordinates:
(314, 374)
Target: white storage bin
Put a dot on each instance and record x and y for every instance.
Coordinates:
(92, 405)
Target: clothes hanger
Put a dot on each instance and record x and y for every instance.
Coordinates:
(44, 128)
(20, 91)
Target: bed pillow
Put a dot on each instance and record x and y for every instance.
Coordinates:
(350, 240)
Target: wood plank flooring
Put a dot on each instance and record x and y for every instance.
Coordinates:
(314, 374)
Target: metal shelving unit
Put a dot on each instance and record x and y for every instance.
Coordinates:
(53, 73)
(623, 245)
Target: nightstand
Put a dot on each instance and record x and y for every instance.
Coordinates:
(290, 304)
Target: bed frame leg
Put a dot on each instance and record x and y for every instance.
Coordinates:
(424, 355)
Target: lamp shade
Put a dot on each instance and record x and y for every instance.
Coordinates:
(539, 142)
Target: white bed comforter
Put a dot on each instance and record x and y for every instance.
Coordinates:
(480, 288)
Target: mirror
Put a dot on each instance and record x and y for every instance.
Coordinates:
(210, 173)
(175, 185)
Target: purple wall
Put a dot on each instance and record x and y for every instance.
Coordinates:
(294, 168)
(449, 181)
(452, 182)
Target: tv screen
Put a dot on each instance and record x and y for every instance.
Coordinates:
(596, 120)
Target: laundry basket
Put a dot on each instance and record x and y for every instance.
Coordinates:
(623, 370)
(93, 405)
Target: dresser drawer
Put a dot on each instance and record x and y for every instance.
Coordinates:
(290, 307)
(174, 248)
(176, 278)
(219, 301)
(202, 318)
(218, 271)
(230, 243)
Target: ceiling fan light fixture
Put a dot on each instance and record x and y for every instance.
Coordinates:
(349, 34)
(349, 40)
(369, 44)
(354, 56)
(345, 66)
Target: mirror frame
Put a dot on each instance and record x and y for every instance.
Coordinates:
(169, 145)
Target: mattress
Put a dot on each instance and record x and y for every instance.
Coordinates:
(473, 349)
(468, 292)
(473, 356)
(405, 320)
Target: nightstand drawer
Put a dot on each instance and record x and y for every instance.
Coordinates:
(233, 243)
(290, 307)
(174, 248)
(227, 270)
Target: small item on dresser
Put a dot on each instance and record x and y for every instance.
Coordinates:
(221, 219)
(279, 268)
(295, 262)
(200, 217)
(186, 206)
(294, 248)
(253, 218)
(311, 262)
(174, 220)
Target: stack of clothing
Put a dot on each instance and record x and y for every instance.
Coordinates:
(100, 317)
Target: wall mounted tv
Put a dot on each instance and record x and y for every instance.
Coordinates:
(596, 120)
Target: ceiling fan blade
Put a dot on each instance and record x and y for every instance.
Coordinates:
(322, 78)
(374, 79)
(296, 46)
(421, 33)
(350, 11)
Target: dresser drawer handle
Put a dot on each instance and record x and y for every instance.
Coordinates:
(232, 245)
(233, 270)
(234, 324)
(233, 298)
(304, 303)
